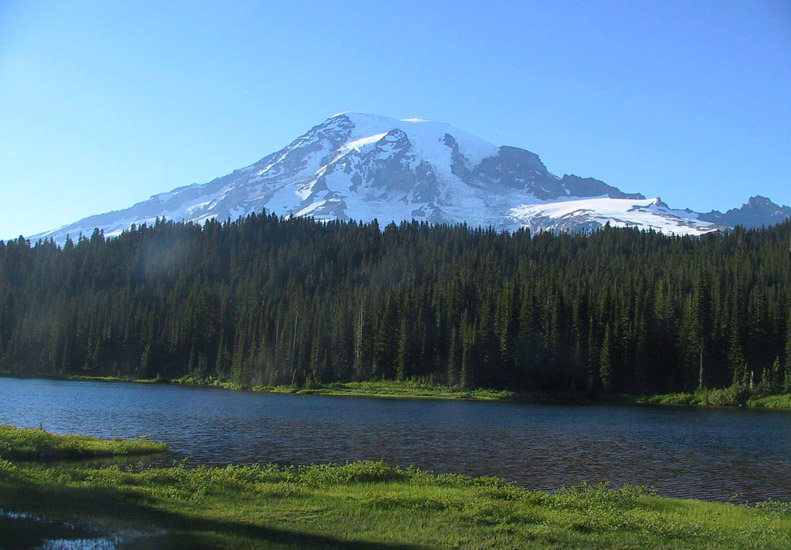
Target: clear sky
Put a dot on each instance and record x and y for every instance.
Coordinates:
(103, 103)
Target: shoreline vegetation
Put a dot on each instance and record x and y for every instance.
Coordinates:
(38, 444)
(733, 396)
(354, 505)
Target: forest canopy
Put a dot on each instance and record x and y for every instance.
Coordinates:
(265, 300)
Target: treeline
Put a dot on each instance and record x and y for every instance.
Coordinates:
(272, 301)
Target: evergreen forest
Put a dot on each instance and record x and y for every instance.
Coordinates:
(270, 301)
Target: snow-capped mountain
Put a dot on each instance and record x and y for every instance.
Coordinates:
(358, 166)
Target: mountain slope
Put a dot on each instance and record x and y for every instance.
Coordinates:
(358, 166)
(758, 212)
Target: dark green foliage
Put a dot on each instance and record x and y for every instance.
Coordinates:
(267, 301)
(605, 362)
(702, 325)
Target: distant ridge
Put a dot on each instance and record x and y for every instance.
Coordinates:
(758, 212)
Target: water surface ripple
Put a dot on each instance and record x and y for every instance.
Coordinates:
(684, 452)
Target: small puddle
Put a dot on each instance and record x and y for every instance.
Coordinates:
(20, 530)
(15, 515)
(80, 544)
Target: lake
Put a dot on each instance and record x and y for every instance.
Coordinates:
(684, 452)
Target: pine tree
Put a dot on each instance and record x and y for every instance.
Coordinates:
(606, 370)
(452, 372)
(146, 367)
(737, 360)
(788, 345)
(403, 357)
(702, 324)
(771, 380)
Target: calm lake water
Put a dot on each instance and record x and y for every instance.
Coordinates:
(684, 452)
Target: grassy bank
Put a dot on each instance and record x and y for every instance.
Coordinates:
(393, 389)
(407, 389)
(360, 505)
(772, 402)
(410, 389)
(724, 397)
(37, 444)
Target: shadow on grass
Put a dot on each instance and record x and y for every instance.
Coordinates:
(114, 511)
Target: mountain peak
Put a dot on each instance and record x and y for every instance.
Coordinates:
(364, 166)
(758, 212)
(759, 201)
(362, 116)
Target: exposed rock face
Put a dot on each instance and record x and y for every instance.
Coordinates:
(359, 166)
(758, 212)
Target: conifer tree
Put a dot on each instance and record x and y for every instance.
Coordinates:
(606, 370)
(702, 324)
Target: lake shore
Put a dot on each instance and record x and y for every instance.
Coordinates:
(391, 389)
(355, 505)
(38, 444)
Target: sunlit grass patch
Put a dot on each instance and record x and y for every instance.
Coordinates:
(34, 443)
(782, 401)
(371, 505)
(722, 397)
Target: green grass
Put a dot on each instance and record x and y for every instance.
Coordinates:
(408, 389)
(724, 397)
(782, 401)
(37, 444)
(214, 382)
(395, 389)
(364, 505)
(88, 378)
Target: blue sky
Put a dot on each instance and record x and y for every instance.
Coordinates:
(103, 104)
